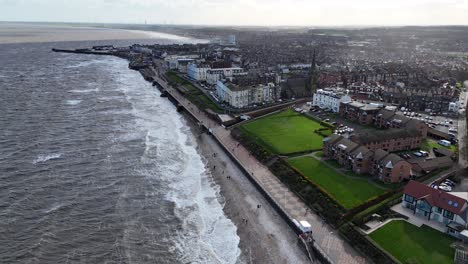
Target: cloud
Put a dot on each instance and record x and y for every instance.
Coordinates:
(240, 12)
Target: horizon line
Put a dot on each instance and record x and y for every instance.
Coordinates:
(241, 25)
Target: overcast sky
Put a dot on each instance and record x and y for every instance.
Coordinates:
(241, 12)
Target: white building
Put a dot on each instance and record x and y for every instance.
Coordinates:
(453, 107)
(180, 62)
(245, 96)
(197, 72)
(213, 75)
(232, 40)
(330, 99)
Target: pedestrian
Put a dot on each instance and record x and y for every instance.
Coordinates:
(223, 172)
(306, 211)
(214, 167)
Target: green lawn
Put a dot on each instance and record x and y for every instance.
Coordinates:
(406, 241)
(195, 95)
(347, 191)
(285, 132)
(429, 144)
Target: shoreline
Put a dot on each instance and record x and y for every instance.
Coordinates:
(265, 237)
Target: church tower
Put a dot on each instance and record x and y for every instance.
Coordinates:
(313, 76)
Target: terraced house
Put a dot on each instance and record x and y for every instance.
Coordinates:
(389, 167)
(385, 166)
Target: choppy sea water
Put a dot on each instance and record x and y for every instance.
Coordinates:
(95, 167)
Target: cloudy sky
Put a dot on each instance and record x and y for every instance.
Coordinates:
(241, 12)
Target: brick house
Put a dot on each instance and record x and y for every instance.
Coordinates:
(388, 119)
(361, 160)
(389, 140)
(389, 167)
(358, 112)
(385, 166)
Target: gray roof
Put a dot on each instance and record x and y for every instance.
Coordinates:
(368, 136)
(361, 149)
(430, 165)
(380, 154)
(333, 138)
(393, 158)
(350, 145)
(386, 114)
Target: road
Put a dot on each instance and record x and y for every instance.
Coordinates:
(462, 133)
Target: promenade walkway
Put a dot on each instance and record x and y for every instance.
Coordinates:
(326, 238)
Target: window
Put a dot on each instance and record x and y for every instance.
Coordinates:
(409, 199)
(448, 214)
(439, 210)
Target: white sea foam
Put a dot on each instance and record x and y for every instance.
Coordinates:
(86, 63)
(85, 90)
(53, 208)
(73, 102)
(46, 157)
(207, 236)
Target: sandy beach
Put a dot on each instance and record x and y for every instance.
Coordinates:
(33, 33)
(264, 236)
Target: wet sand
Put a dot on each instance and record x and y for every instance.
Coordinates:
(264, 236)
(33, 33)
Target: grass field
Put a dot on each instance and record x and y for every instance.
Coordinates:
(285, 132)
(347, 191)
(195, 95)
(429, 144)
(420, 244)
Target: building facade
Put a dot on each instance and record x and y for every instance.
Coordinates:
(385, 166)
(389, 167)
(197, 72)
(359, 112)
(214, 75)
(329, 99)
(448, 209)
(246, 96)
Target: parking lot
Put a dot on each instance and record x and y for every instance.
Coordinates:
(446, 124)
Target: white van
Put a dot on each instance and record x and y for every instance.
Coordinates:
(444, 142)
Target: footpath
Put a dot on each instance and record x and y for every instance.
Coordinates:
(327, 239)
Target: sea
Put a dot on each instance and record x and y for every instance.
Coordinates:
(95, 166)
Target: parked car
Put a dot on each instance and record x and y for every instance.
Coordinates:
(417, 154)
(445, 188)
(449, 183)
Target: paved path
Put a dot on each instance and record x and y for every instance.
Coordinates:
(462, 132)
(327, 238)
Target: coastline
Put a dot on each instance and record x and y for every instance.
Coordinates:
(265, 237)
